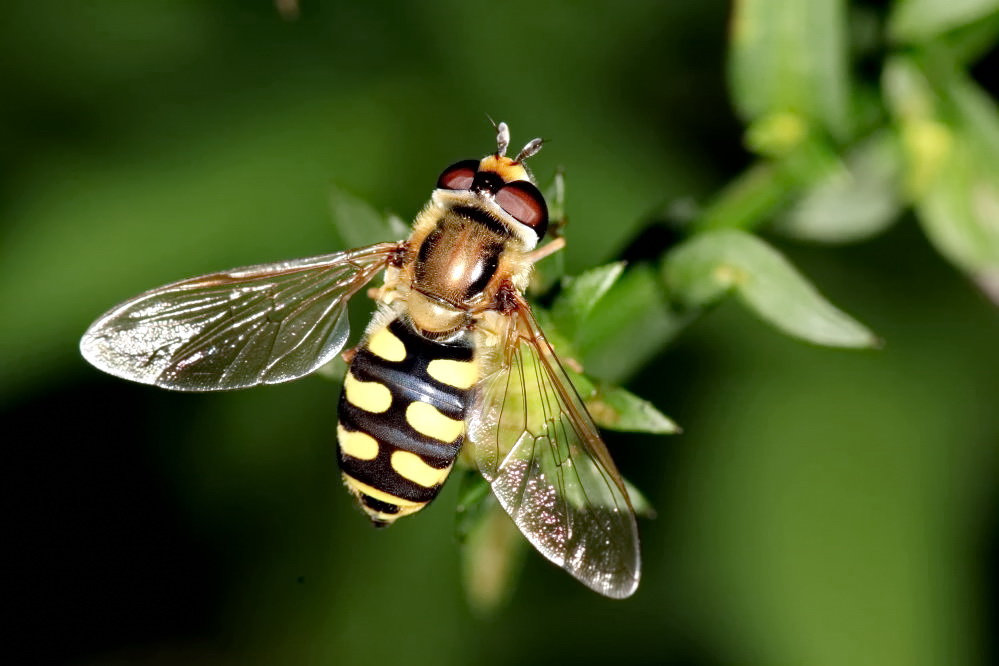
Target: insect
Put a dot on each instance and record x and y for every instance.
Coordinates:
(453, 357)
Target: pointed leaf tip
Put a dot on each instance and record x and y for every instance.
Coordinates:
(615, 408)
(702, 270)
(580, 294)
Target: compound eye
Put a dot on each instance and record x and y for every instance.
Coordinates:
(524, 202)
(458, 176)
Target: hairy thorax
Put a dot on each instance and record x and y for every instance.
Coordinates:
(456, 264)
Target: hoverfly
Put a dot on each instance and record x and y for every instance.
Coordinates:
(453, 354)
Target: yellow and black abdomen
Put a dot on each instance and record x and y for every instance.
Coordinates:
(402, 417)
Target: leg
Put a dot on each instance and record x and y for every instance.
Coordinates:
(546, 250)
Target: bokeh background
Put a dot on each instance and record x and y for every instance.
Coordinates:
(822, 506)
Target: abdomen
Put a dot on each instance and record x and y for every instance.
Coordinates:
(402, 418)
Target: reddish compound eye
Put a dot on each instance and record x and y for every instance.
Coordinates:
(458, 176)
(524, 203)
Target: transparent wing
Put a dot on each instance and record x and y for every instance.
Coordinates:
(536, 444)
(255, 325)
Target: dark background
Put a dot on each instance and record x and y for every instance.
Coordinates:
(822, 507)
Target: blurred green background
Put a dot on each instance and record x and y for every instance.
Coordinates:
(822, 506)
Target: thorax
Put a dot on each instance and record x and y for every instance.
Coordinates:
(458, 257)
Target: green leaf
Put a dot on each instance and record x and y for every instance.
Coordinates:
(789, 59)
(970, 42)
(580, 294)
(710, 265)
(493, 554)
(398, 227)
(333, 371)
(474, 495)
(611, 407)
(548, 273)
(950, 131)
(628, 326)
(357, 222)
(555, 197)
(751, 196)
(856, 203)
(925, 140)
(767, 186)
(615, 408)
(639, 502)
(920, 20)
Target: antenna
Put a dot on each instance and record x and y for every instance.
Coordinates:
(502, 139)
(530, 149)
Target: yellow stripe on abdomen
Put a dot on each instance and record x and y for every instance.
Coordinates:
(386, 345)
(369, 396)
(381, 495)
(400, 507)
(459, 374)
(427, 420)
(412, 467)
(357, 444)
